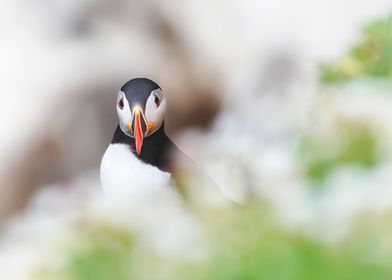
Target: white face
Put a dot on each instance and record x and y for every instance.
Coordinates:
(155, 110)
(153, 115)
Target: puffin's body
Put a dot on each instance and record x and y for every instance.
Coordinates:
(157, 149)
(138, 161)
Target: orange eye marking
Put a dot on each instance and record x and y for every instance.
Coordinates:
(150, 126)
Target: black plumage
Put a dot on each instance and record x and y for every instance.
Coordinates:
(158, 150)
(138, 90)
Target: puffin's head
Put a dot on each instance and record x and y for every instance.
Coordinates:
(141, 107)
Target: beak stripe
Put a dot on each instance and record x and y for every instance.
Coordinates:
(138, 133)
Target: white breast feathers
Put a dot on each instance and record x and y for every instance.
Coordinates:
(125, 177)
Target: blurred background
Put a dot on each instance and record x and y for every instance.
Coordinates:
(285, 104)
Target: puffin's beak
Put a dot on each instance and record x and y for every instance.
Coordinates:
(138, 127)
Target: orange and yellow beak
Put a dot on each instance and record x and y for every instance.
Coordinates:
(138, 127)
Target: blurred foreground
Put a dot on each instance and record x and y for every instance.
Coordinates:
(293, 125)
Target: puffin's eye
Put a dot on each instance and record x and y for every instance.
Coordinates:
(121, 104)
(157, 100)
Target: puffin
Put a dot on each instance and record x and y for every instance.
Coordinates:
(140, 158)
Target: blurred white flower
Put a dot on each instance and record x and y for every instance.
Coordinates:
(40, 237)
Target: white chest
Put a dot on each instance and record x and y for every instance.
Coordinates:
(124, 176)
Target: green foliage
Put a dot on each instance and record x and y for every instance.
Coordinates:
(103, 253)
(353, 144)
(371, 57)
(244, 244)
(249, 245)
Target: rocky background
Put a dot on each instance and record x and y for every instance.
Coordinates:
(286, 105)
